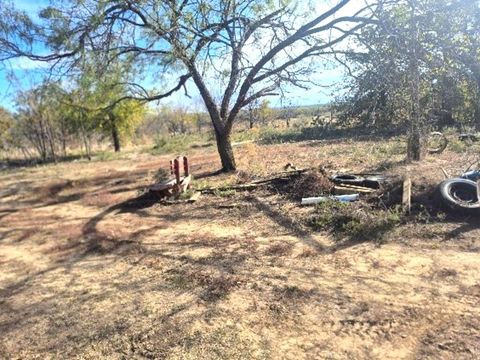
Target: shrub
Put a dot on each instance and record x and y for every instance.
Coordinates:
(179, 143)
(355, 222)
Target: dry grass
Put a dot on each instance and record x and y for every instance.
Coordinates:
(91, 268)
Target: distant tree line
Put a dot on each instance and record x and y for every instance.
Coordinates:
(412, 64)
(50, 119)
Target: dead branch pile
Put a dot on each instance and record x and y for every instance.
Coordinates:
(310, 184)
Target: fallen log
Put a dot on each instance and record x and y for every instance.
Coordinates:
(256, 183)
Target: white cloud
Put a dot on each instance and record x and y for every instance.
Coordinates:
(26, 64)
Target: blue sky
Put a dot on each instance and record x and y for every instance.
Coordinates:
(22, 74)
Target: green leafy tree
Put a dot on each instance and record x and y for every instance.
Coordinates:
(409, 74)
(94, 106)
(122, 120)
(6, 123)
(233, 51)
(40, 120)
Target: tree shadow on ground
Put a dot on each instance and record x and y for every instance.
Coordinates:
(466, 224)
(33, 162)
(287, 223)
(52, 193)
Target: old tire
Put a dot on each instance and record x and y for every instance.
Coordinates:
(460, 194)
(437, 143)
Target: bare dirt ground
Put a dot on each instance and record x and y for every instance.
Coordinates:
(91, 268)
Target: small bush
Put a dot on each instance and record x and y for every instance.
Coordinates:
(186, 195)
(457, 146)
(161, 175)
(108, 156)
(356, 222)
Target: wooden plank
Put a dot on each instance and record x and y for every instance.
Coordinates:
(163, 186)
(407, 194)
(352, 189)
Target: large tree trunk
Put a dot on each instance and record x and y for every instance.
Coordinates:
(224, 146)
(415, 150)
(416, 139)
(115, 134)
(477, 103)
(115, 138)
(86, 141)
(477, 115)
(222, 127)
(250, 119)
(51, 141)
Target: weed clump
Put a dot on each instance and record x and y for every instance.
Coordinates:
(161, 175)
(355, 222)
(225, 193)
(178, 143)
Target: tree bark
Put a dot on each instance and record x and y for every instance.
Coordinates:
(115, 138)
(225, 150)
(477, 115)
(415, 150)
(115, 134)
(477, 103)
(222, 127)
(250, 118)
(86, 141)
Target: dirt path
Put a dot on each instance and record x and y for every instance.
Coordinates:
(87, 272)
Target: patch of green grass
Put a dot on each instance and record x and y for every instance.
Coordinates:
(266, 134)
(457, 145)
(201, 184)
(180, 143)
(161, 175)
(391, 148)
(109, 156)
(356, 222)
(225, 193)
(186, 195)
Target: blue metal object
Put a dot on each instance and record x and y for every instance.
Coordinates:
(473, 175)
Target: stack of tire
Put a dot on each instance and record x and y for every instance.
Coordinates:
(461, 194)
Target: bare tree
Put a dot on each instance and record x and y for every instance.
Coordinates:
(242, 50)
(252, 112)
